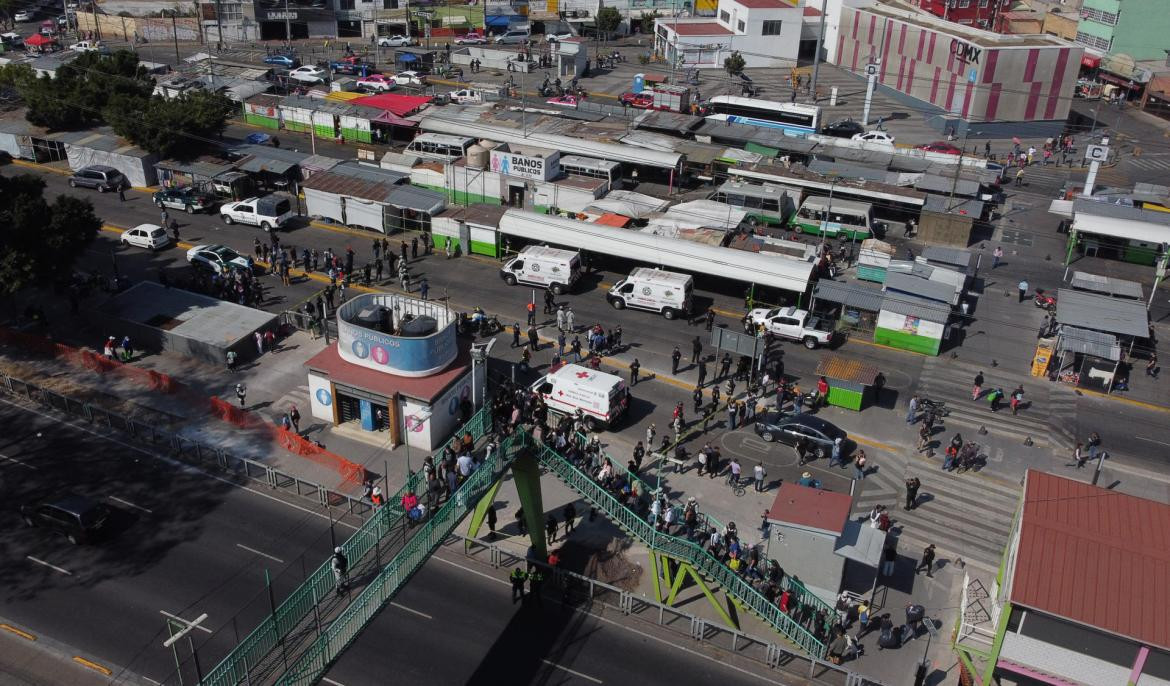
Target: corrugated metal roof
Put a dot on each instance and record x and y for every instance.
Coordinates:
(340, 184)
(1116, 211)
(965, 206)
(913, 306)
(1084, 281)
(257, 163)
(417, 199)
(1094, 556)
(853, 171)
(952, 256)
(1102, 313)
(933, 183)
(1075, 340)
(913, 285)
(367, 173)
(845, 369)
(862, 296)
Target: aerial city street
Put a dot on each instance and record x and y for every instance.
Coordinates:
(727, 341)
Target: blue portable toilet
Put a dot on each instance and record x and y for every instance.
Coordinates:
(639, 83)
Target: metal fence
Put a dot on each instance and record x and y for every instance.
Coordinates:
(578, 589)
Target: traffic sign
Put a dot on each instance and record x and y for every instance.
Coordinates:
(1096, 153)
(870, 69)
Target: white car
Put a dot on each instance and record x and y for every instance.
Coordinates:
(377, 82)
(466, 96)
(219, 259)
(21, 17)
(411, 77)
(396, 41)
(149, 236)
(309, 74)
(557, 36)
(471, 38)
(875, 137)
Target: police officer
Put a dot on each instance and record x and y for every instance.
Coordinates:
(518, 577)
(535, 581)
(674, 359)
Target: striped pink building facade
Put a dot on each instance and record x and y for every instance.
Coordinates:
(969, 74)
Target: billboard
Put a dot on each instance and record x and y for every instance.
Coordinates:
(404, 356)
(525, 166)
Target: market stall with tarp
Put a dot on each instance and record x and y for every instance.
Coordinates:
(853, 306)
(1086, 359)
(38, 43)
(874, 260)
(851, 383)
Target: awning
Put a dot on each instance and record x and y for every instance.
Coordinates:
(407, 57)
(863, 297)
(501, 20)
(1102, 313)
(256, 164)
(1090, 61)
(394, 103)
(610, 219)
(1095, 343)
(861, 543)
(417, 199)
(395, 120)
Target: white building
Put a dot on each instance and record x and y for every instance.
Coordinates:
(766, 33)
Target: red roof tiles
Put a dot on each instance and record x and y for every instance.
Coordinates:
(811, 508)
(764, 4)
(700, 28)
(1096, 557)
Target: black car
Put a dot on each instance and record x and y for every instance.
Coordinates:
(78, 518)
(844, 128)
(789, 429)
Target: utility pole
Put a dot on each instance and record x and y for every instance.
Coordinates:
(820, 46)
(175, 34)
(287, 26)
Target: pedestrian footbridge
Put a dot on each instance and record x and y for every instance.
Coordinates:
(298, 641)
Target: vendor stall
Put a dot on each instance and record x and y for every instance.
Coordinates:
(853, 306)
(851, 383)
(1087, 359)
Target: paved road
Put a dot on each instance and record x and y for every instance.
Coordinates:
(181, 543)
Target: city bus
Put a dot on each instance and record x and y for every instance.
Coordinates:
(576, 165)
(764, 203)
(439, 146)
(793, 118)
(834, 217)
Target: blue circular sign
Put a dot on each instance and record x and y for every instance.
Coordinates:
(324, 397)
(360, 349)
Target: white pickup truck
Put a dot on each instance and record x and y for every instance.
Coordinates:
(794, 324)
(269, 212)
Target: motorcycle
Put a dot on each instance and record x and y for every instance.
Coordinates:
(935, 407)
(1044, 300)
(490, 326)
(970, 458)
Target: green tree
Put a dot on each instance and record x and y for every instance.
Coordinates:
(648, 22)
(734, 63)
(79, 93)
(174, 128)
(608, 20)
(40, 241)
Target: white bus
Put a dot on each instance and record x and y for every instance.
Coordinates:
(439, 146)
(832, 218)
(764, 203)
(576, 165)
(793, 118)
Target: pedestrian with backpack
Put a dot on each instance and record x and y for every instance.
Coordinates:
(340, 565)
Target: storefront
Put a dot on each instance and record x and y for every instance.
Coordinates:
(854, 306)
(474, 229)
(281, 20)
(1095, 332)
(911, 323)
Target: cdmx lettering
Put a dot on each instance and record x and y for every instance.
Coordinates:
(965, 52)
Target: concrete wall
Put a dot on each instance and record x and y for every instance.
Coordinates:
(810, 558)
(491, 59)
(153, 29)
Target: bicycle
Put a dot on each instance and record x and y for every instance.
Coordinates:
(736, 485)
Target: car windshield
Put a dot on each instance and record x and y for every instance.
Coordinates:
(225, 253)
(158, 233)
(92, 515)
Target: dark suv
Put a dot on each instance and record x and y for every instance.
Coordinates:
(98, 176)
(789, 429)
(78, 518)
(185, 198)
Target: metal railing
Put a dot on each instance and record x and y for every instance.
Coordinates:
(332, 641)
(239, 664)
(681, 549)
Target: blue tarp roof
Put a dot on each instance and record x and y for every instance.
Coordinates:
(407, 57)
(501, 20)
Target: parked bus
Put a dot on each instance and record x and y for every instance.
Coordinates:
(764, 203)
(834, 217)
(439, 146)
(793, 118)
(890, 203)
(576, 165)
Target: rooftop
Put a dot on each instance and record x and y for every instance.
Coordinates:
(984, 39)
(1095, 557)
(810, 508)
(423, 388)
(699, 28)
(765, 4)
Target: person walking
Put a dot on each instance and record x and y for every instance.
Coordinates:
(696, 350)
(912, 486)
(340, 565)
(710, 319)
(550, 527)
(1079, 456)
(414, 248)
(996, 256)
(760, 473)
(561, 316)
(516, 335)
(1094, 444)
(977, 387)
(492, 520)
(241, 393)
(912, 409)
(635, 368)
(122, 192)
(1022, 287)
(835, 454)
(859, 465)
(530, 308)
(1017, 399)
(702, 371)
(294, 416)
(697, 396)
(569, 316)
(927, 561)
(535, 584)
(675, 357)
(1020, 177)
(424, 288)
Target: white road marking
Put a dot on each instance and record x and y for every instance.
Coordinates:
(127, 503)
(1143, 438)
(185, 622)
(22, 463)
(66, 572)
(411, 610)
(257, 552)
(331, 681)
(550, 663)
(152, 680)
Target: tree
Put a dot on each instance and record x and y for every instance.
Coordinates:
(79, 93)
(608, 20)
(174, 128)
(648, 22)
(40, 241)
(734, 63)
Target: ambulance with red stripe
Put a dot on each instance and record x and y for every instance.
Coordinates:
(600, 397)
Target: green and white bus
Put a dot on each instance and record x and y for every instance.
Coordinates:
(764, 203)
(832, 218)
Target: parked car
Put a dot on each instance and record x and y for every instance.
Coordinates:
(642, 101)
(218, 259)
(352, 65)
(78, 518)
(396, 41)
(563, 101)
(471, 38)
(940, 146)
(186, 198)
(22, 16)
(875, 137)
(555, 36)
(843, 128)
(377, 82)
(286, 61)
(12, 40)
(149, 236)
(412, 78)
(98, 176)
(466, 96)
(513, 37)
(90, 46)
(309, 73)
(819, 433)
(62, 21)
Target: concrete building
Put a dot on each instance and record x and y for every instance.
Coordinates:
(1136, 28)
(978, 83)
(979, 13)
(397, 367)
(1081, 595)
(766, 33)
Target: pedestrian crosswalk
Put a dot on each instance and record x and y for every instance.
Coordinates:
(965, 515)
(1149, 163)
(952, 380)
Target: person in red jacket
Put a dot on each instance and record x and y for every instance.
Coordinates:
(822, 391)
(410, 506)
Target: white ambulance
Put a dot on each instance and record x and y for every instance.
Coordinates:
(668, 293)
(551, 268)
(601, 397)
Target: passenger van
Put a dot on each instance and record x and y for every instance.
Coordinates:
(513, 36)
(439, 146)
(600, 397)
(655, 290)
(551, 268)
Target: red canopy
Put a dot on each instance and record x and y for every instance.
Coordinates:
(37, 40)
(400, 105)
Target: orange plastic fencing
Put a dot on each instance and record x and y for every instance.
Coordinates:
(219, 408)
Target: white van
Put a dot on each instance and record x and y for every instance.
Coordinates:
(668, 293)
(551, 268)
(513, 36)
(601, 397)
